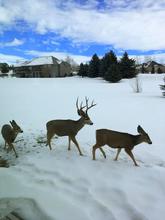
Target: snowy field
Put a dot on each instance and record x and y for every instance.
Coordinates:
(59, 184)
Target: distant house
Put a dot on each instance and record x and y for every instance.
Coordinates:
(151, 67)
(47, 66)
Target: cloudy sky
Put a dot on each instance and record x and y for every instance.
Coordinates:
(80, 28)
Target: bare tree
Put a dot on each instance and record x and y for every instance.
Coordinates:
(136, 84)
(74, 65)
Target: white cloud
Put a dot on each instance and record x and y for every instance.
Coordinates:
(135, 4)
(10, 59)
(159, 57)
(125, 24)
(13, 43)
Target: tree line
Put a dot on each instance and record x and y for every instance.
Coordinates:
(109, 67)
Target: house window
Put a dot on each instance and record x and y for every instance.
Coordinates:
(36, 74)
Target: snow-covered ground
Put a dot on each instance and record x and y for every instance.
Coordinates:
(59, 184)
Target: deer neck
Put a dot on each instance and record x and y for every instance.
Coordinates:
(80, 123)
(138, 139)
(15, 133)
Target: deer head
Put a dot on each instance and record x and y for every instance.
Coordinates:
(16, 127)
(84, 113)
(145, 136)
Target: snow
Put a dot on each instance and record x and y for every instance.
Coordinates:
(59, 184)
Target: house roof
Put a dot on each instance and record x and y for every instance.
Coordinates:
(152, 63)
(40, 61)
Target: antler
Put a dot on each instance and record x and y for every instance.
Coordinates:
(88, 107)
(80, 110)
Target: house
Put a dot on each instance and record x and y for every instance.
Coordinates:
(151, 67)
(47, 66)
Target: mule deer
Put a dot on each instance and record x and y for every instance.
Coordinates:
(68, 127)
(10, 133)
(120, 140)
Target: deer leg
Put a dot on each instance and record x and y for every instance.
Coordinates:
(118, 152)
(77, 145)
(102, 152)
(49, 137)
(12, 147)
(9, 148)
(129, 152)
(5, 145)
(94, 150)
(69, 143)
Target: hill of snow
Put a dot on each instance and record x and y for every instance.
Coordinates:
(59, 184)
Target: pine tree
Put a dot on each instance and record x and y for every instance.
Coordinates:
(127, 66)
(83, 70)
(4, 67)
(113, 73)
(86, 69)
(108, 59)
(94, 66)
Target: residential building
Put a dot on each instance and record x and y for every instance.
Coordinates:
(47, 66)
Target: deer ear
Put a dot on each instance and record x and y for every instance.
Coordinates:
(140, 130)
(11, 122)
(78, 112)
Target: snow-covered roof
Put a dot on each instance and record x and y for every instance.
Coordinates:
(40, 61)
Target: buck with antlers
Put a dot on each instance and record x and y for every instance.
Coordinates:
(69, 127)
(120, 140)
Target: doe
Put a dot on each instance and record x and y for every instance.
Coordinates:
(10, 133)
(120, 140)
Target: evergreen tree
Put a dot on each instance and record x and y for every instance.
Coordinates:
(113, 73)
(86, 69)
(127, 67)
(4, 67)
(83, 70)
(94, 66)
(108, 59)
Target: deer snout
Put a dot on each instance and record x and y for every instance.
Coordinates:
(150, 142)
(89, 122)
(21, 131)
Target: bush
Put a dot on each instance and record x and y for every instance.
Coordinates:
(4, 67)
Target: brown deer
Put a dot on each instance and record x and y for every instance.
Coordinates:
(10, 133)
(120, 140)
(69, 127)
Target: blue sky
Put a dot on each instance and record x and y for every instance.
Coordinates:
(80, 28)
